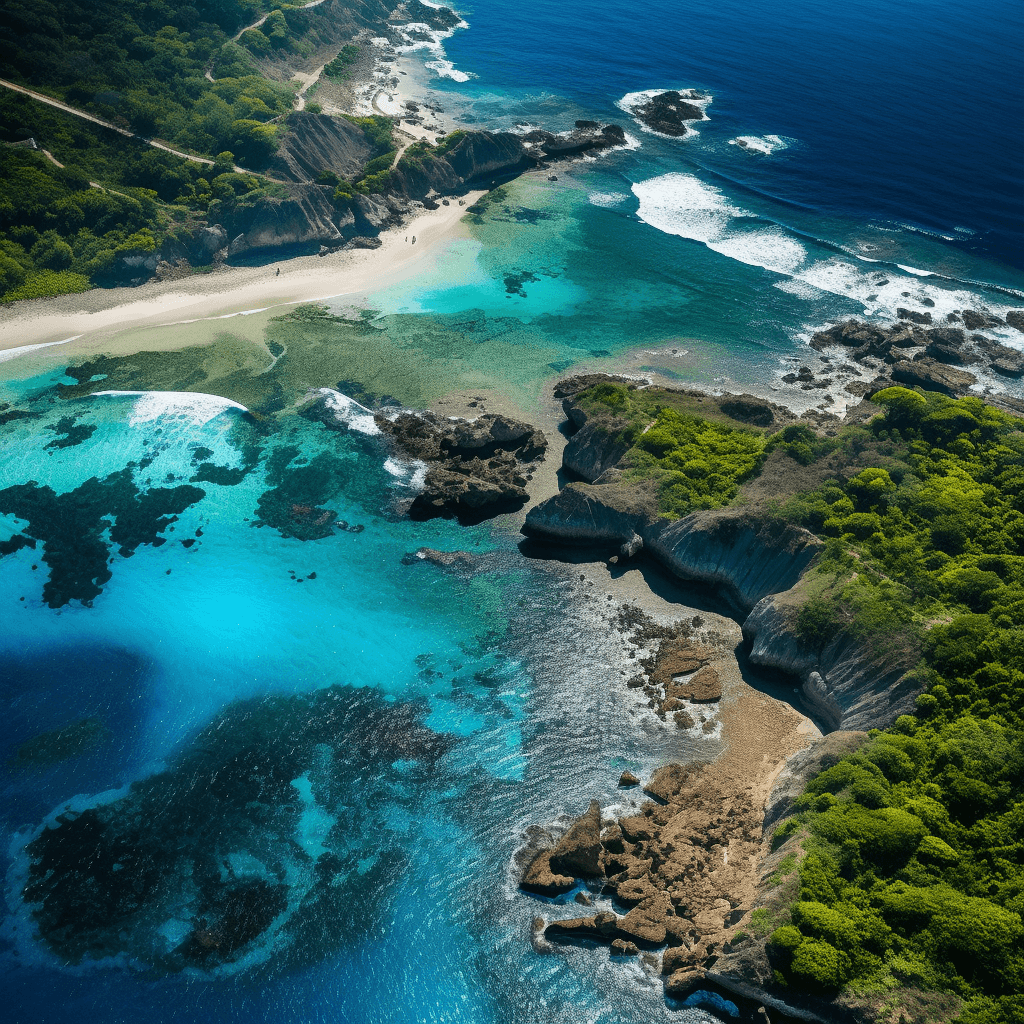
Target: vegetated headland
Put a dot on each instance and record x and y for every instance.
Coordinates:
(876, 873)
(146, 142)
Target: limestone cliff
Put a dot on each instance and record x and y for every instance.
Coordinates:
(754, 560)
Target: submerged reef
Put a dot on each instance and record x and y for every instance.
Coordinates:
(258, 840)
(73, 527)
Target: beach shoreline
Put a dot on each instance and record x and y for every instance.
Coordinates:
(83, 320)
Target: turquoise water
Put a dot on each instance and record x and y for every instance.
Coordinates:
(218, 604)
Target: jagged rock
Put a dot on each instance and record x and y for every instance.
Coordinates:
(703, 687)
(539, 878)
(477, 464)
(363, 242)
(667, 113)
(628, 779)
(1004, 360)
(583, 899)
(372, 212)
(578, 852)
(212, 238)
(975, 321)
(645, 923)
(932, 375)
(1015, 318)
(444, 559)
(917, 318)
(668, 782)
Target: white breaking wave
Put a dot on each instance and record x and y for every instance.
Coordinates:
(446, 69)
(607, 199)
(348, 411)
(417, 35)
(13, 353)
(764, 144)
(408, 474)
(683, 205)
(192, 406)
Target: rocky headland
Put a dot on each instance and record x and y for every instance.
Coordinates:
(688, 880)
(952, 357)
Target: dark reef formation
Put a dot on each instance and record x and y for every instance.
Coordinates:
(205, 862)
(72, 527)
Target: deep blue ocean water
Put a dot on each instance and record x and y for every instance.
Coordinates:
(894, 178)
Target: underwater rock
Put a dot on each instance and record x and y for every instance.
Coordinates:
(215, 842)
(58, 745)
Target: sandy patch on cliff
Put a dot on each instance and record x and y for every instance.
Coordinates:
(82, 321)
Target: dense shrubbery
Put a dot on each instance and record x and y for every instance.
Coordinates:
(914, 871)
(696, 462)
(140, 64)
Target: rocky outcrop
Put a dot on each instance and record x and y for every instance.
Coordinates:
(315, 143)
(478, 468)
(305, 216)
(936, 365)
(931, 375)
(474, 159)
(577, 854)
(668, 112)
(850, 682)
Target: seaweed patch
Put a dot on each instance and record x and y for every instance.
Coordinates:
(71, 527)
(260, 839)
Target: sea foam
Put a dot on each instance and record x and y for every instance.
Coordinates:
(681, 204)
(348, 411)
(193, 407)
(763, 144)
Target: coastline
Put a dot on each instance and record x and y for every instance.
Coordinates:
(86, 318)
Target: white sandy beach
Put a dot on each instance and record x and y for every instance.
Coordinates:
(96, 314)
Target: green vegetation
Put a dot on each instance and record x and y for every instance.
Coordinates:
(696, 460)
(911, 883)
(914, 866)
(340, 68)
(141, 65)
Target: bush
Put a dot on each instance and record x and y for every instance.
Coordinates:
(817, 965)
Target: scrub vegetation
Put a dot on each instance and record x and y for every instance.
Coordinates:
(911, 850)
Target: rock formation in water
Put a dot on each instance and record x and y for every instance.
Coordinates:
(477, 468)
(668, 112)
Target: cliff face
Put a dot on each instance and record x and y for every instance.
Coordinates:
(753, 560)
(306, 215)
(316, 142)
(849, 684)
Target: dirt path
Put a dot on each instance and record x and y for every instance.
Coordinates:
(50, 101)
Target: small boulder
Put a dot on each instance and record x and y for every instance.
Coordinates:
(620, 947)
(628, 779)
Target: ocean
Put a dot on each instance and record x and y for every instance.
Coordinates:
(209, 587)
